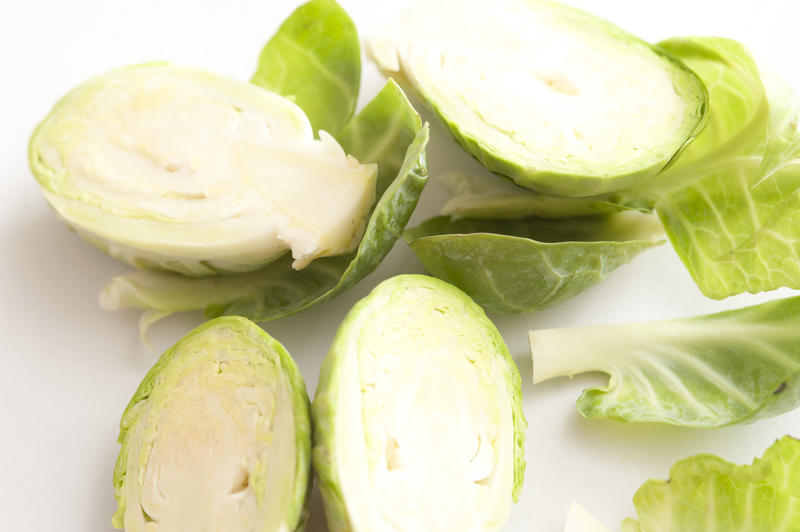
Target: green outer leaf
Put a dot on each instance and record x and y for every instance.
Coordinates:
(731, 204)
(315, 60)
(523, 265)
(707, 493)
(325, 404)
(734, 224)
(732, 367)
(382, 132)
(560, 183)
(248, 332)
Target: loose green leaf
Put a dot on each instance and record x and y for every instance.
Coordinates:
(216, 437)
(731, 203)
(315, 60)
(705, 493)
(418, 414)
(515, 266)
(388, 132)
(706, 371)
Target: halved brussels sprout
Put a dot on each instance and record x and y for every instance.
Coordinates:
(558, 100)
(217, 437)
(183, 170)
(418, 420)
(271, 178)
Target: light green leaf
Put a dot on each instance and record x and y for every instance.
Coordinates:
(315, 60)
(706, 371)
(731, 203)
(515, 266)
(388, 132)
(705, 493)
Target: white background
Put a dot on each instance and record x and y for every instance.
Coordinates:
(68, 368)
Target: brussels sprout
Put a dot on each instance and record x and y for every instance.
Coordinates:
(181, 170)
(217, 437)
(556, 99)
(418, 420)
(263, 177)
(187, 171)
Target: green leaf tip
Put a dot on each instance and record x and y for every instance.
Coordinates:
(315, 60)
